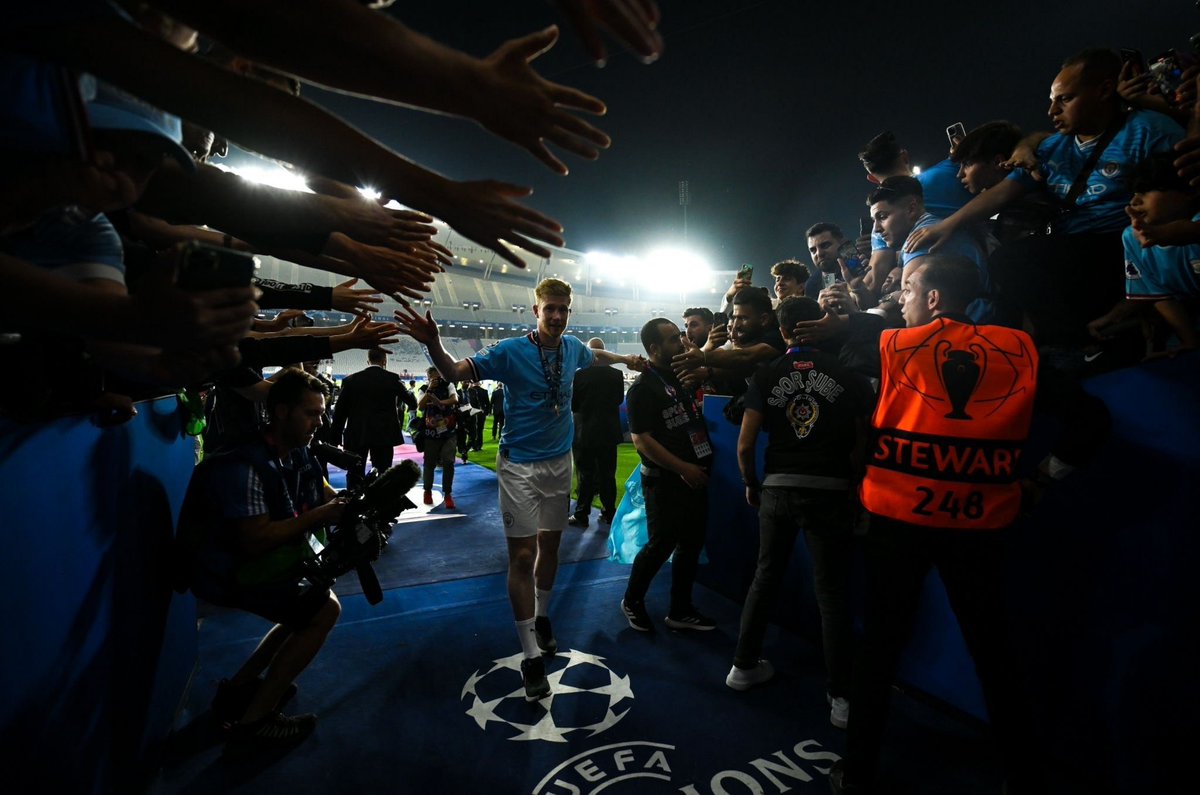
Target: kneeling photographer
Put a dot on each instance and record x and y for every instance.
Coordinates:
(252, 517)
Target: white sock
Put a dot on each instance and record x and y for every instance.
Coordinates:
(528, 639)
(541, 602)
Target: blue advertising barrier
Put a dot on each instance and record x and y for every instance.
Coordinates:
(97, 647)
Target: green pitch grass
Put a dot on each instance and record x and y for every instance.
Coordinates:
(627, 459)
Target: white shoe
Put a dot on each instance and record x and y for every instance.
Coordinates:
(839, 712)
(746, 678)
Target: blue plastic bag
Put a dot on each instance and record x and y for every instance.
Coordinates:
(629, 533)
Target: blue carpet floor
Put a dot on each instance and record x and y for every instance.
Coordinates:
(419, 694)
(433, 544)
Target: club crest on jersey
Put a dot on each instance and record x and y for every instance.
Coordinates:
(1132, 272)
(802, 365)
(1110, 169)
(802, 413)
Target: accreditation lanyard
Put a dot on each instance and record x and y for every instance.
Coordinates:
(551, 372)
(697, 433)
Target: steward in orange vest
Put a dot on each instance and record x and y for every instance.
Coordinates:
(942, 481)
(955, 403)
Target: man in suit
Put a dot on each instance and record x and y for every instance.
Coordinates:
(479, 400)
(596, 402)
(369, 410)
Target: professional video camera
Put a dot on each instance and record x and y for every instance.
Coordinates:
(364, 529)
(328, 454)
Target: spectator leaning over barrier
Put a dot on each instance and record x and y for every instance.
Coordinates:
(671, 439)
(697, 322)
(755, 340)
(898, 209)
(790, 276)
(943, 486)
(534, 465)
(981, 157)
(251, 517)
(828, 250)
(1064, 279)
(814, 411)
(883, 157)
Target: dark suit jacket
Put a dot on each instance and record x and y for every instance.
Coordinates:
(597, 402)
(479, 399)
(368, 408)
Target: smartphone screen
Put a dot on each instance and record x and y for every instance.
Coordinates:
(1136, 58)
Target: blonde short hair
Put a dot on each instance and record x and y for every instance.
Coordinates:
(548, 287)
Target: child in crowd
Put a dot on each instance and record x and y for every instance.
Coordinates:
(1163, 276)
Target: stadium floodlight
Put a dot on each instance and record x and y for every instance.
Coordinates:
(916, 171)
(674, 270)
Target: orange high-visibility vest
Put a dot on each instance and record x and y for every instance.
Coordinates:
(955, 403)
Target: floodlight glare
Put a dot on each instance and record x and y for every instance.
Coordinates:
(370, 193)
(272, 176)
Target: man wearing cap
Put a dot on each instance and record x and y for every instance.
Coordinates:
(130, 138)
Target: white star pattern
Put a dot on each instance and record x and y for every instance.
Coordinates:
(483, 712)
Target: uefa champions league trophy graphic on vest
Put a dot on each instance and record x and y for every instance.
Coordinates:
(959, 373)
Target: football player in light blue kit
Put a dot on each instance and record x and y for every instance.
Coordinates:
(534, 464)
(1164, 277)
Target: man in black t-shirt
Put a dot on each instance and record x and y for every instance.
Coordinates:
(669, 434)
(814, 411)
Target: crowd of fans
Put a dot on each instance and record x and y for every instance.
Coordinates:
(113, 214)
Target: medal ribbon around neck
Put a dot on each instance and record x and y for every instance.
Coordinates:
(553, 375)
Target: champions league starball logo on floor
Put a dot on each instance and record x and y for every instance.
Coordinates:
(585, 698)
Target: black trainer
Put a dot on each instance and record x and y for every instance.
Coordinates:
(533, 671)
(578, 521)
(231, 701)
(690, 620)
(544, 634)
(274, 732)
(636, 615)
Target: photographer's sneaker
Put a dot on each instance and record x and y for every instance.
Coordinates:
(428, 497)
(449, 503)
(839, 712)
(690, 620)
(636, 615)
(746, 678)
(231, 701)
(533, 671)
(544, 635)
(274, 732)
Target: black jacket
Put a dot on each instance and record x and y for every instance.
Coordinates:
(369, 407)
(597, 398)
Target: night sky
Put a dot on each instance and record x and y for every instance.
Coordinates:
(762, 106)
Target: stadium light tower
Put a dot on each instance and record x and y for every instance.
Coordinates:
(684, 200)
